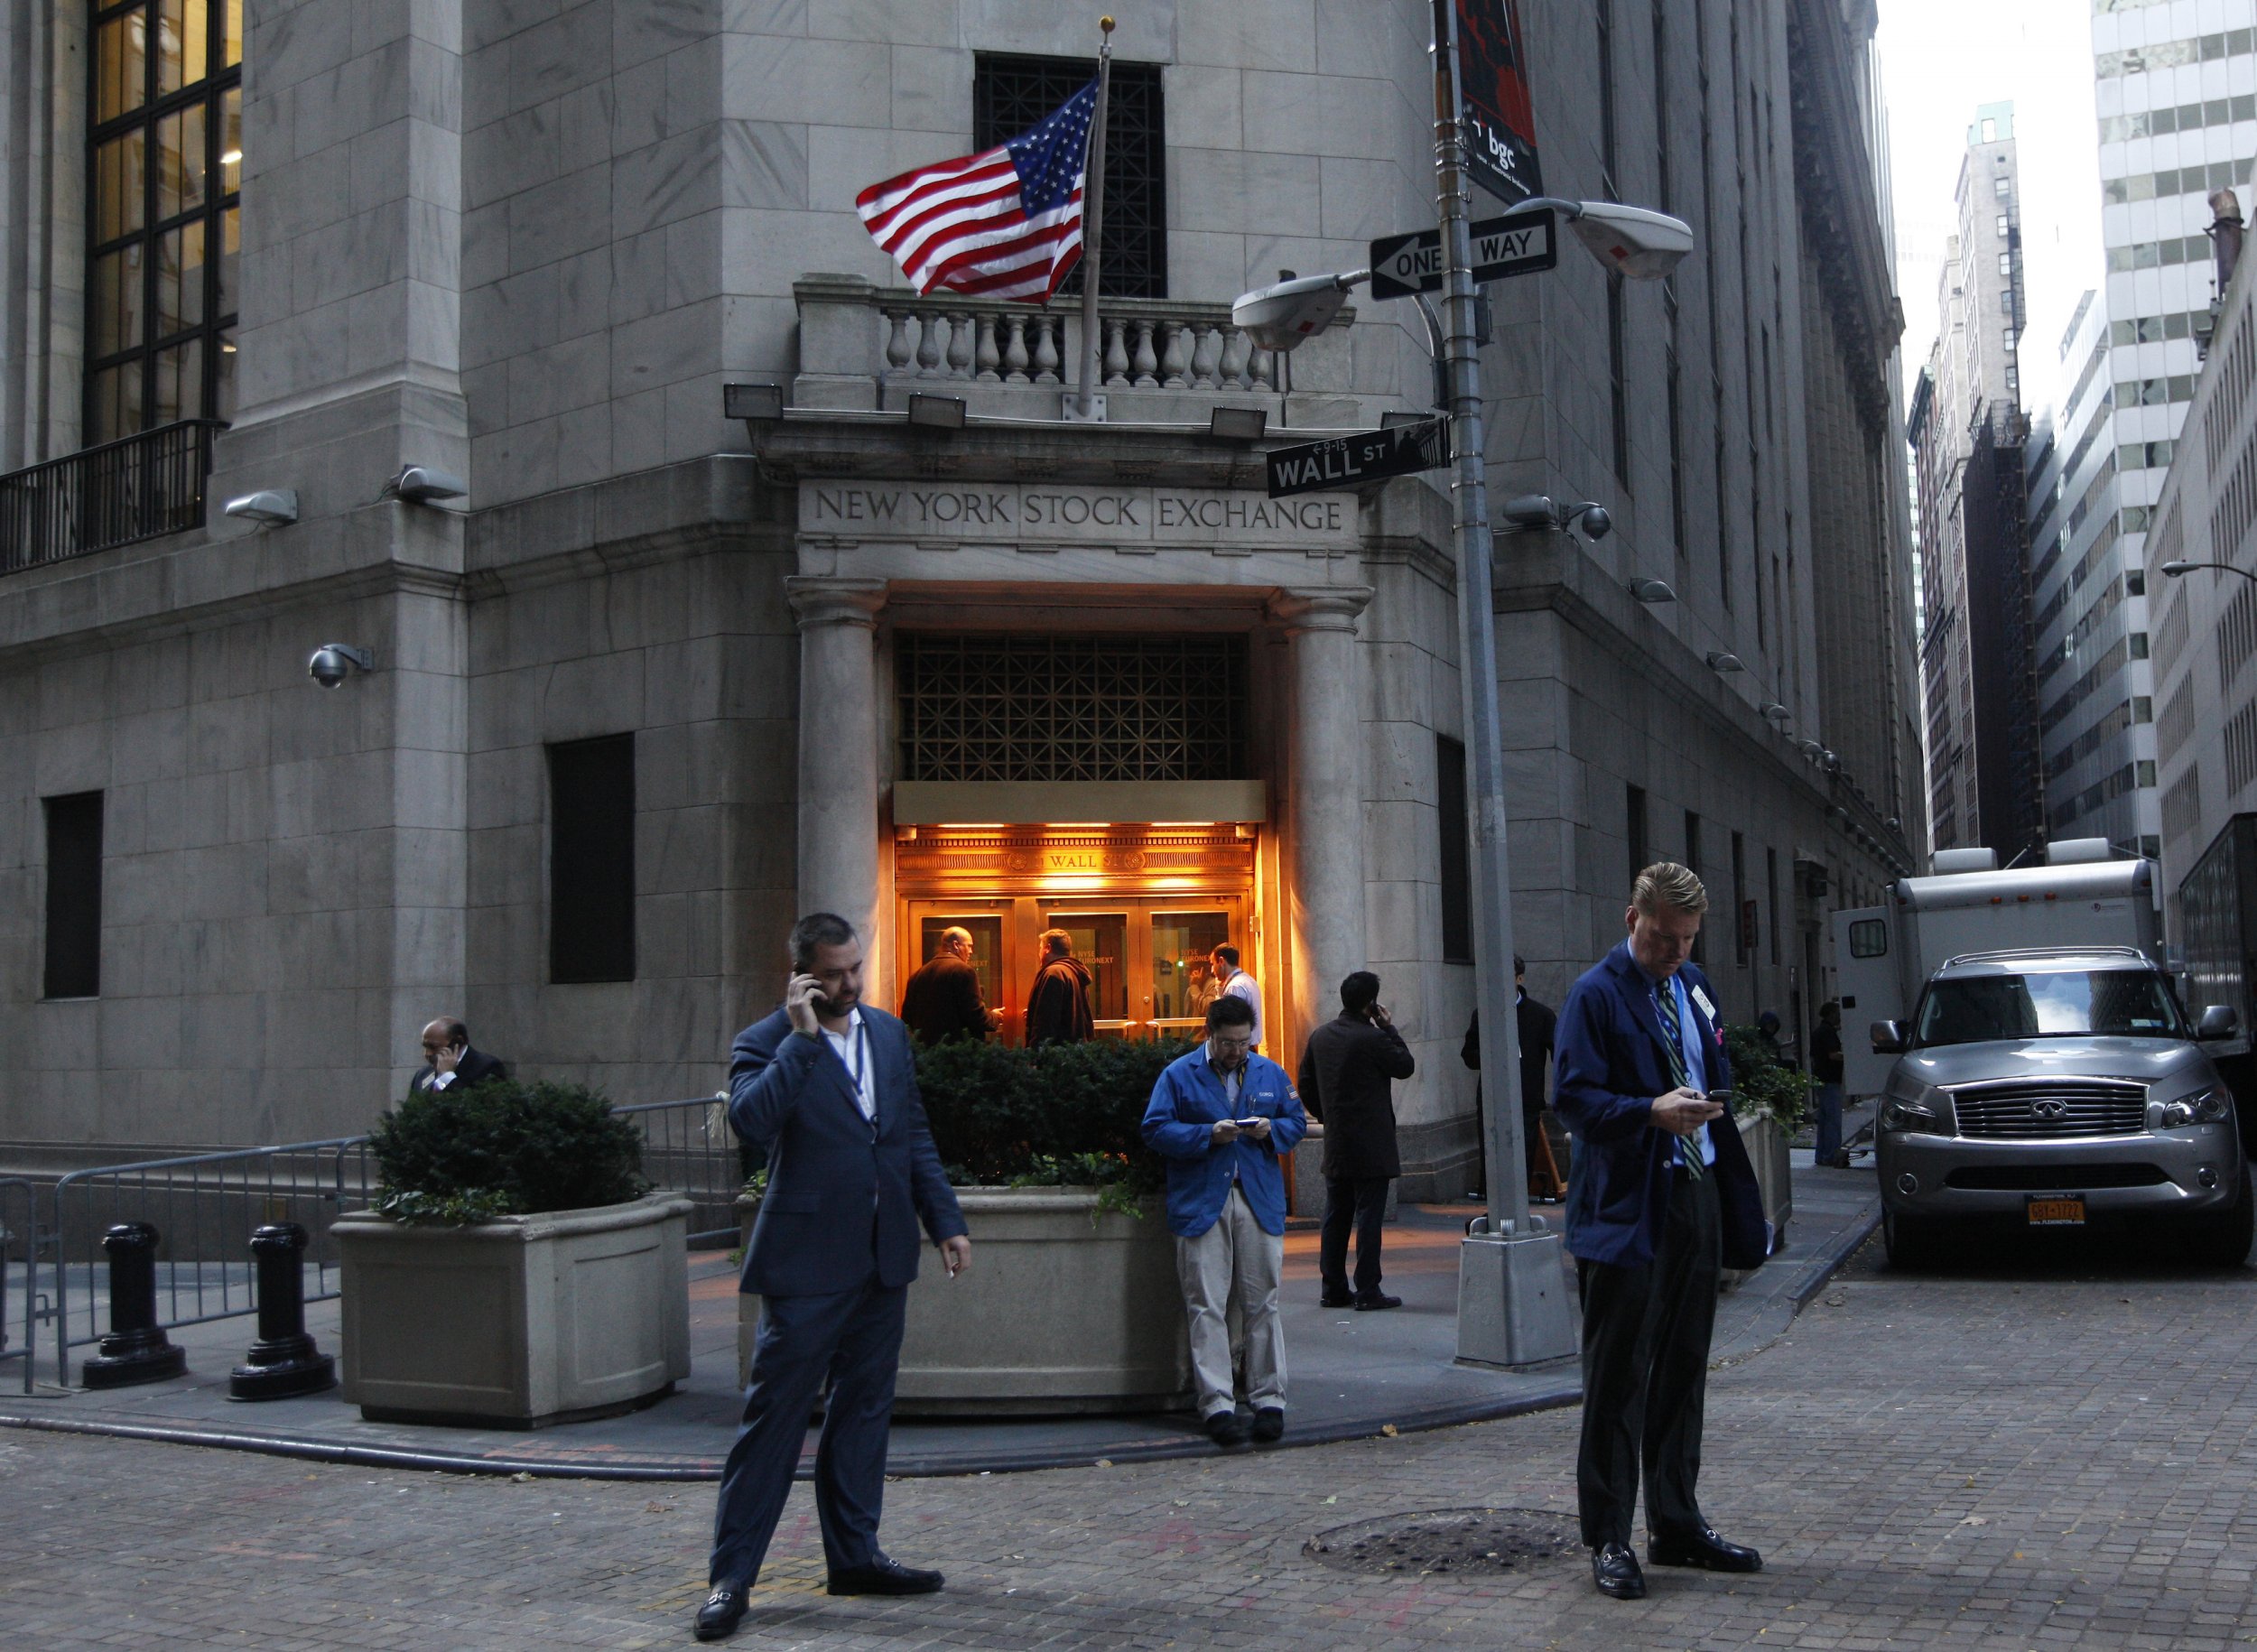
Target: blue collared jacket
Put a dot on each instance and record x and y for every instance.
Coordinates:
(1613, 1061)
(1179, 1124)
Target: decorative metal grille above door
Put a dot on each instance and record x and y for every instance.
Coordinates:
(1072, 707)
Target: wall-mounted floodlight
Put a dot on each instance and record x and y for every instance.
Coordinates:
(1893, 823)
(762, 402)
(1652, 590)
(333, 662)
(937, 412)
(1238, 423)
(270, 508)
(1772, 711)
(1724, 665)
(1810, 748)
(425, 483)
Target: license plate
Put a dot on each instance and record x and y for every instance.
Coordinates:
(2055, 1209)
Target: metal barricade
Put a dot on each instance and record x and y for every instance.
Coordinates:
(688, 1147)
(19, 1248)
(204, 1205)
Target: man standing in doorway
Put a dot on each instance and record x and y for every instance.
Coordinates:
(942, 1000)
(1663, 1196)
(1058, 1004)
(1347, 1073)
(828, 1085)
(1221, 1116)
(1238, 984)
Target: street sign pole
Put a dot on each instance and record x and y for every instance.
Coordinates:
(1513, 1301)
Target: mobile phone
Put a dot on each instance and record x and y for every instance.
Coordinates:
(1723, 1098)
(1246, 1124)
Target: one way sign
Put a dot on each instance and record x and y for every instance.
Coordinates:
(1518, 243)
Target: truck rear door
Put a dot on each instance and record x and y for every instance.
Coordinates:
(1865, 967)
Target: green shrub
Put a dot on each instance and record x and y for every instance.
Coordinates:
(1063, 1115)
(1762, 1082)
(503, 1148)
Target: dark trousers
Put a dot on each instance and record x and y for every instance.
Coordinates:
(854, 1337)
(1645, 1373)
(1360, 1202)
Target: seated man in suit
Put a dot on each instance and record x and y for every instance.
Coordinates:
(448, 1060)
(828, 1085)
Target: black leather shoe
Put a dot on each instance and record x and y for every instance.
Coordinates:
(1704, 1549)
(1336, 1299)
(1269, 1423)
(1614, 1569)
(1377, 1299)
(884, 1577)
(723, 1610)
(1226, 1430)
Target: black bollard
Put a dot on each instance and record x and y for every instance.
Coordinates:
(136, 1349)
(284, 1363)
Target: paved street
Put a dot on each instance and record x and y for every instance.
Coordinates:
(2045, 1449)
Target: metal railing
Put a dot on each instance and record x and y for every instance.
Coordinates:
(139, 487)
(19, 1245)
(205, 1205)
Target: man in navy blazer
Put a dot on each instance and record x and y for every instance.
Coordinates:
(828, 1085)
(1660, 1196)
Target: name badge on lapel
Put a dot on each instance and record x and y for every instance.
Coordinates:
(1707, 1009)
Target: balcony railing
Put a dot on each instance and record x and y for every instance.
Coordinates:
(140, 486)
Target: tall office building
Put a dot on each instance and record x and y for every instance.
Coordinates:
(1968, 434)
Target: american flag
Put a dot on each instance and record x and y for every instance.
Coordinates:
(1005, 223)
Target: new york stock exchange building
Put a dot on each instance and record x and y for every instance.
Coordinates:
(909, 643)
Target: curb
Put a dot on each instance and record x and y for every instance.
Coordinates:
(1822, 1267)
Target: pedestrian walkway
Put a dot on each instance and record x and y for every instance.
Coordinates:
(1352, 1374)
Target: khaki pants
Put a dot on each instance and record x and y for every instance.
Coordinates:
(1232, 1270)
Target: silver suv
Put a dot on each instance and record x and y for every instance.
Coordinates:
(2053, 1087)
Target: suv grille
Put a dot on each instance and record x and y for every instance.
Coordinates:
(2051, 1111)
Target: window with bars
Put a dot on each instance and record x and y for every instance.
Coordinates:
(165, 169)
(1011, 94)
(1072, 707)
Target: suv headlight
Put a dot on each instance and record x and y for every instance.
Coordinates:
(1904, 1116)
(2203, 1107)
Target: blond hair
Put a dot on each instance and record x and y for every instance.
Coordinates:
(1666, 884)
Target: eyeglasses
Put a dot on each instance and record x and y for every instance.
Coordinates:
(1217, 1039)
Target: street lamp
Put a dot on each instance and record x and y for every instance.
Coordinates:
(1512, 1306)
(2172, 570)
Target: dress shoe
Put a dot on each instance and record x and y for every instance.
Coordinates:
(1615, 1571)
(1336, 1299)
(1226, 1430)
(884, 1577)
(723, 1610)
(1269, 1423)
(1705, 1549)
(1377, 1299)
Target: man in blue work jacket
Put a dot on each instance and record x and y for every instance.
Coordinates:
(1661, 1195)
(1221, 1116)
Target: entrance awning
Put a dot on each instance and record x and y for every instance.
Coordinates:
(1043, 803)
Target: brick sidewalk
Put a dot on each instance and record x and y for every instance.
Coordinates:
(2050, 1454)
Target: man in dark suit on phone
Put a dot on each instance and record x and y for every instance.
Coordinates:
(1660, 1196)
(828, 1085)
(448, 1060)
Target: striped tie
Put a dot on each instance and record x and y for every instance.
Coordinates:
(1673, 1031)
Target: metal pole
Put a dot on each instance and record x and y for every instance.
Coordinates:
(1093, 226)
(1512, 1307)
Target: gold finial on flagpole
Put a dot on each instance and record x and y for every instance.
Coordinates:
(1106, 24)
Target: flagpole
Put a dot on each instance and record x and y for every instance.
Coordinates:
(1092, 227)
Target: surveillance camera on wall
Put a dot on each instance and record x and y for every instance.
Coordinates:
(1279, 317)
(333, 662)
(1593, 519)
(271, 508)
(1639, 244)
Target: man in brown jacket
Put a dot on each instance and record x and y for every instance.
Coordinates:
(1347, 1073)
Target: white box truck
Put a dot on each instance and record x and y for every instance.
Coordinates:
(1883, 955)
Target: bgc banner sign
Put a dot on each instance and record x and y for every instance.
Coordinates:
(1499, 118)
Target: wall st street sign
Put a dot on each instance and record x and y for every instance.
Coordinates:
(1518, 243)
(1368, 456)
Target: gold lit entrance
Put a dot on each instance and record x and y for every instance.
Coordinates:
(1144, 906)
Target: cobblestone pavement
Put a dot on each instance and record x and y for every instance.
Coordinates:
(2041, 1450)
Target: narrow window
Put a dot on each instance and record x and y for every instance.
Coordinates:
(1609, 177)
(1692, 863)
(1458, 870)
(1742, 930)
(1618, 388)
(1771, 885)
(74, 896)
(591, 859)
(1635, 831)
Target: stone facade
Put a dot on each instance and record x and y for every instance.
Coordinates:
(530, 244)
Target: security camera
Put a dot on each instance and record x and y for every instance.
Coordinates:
(1279, 317)
(1593, 519)
(423, 484)
(270, 507)
(333, 662)
(1637, 243)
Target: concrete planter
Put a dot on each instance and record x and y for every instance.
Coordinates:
(518, 1322)
(1767, 1151)
(1058, 1313)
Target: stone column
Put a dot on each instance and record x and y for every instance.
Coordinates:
(837, 749)
(1324, 891)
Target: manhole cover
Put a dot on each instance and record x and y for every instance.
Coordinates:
(1457, 1542)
